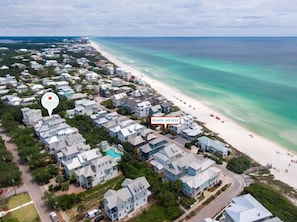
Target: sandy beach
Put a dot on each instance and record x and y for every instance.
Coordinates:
(262, 150)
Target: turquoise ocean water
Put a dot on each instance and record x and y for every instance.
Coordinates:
(251, 80)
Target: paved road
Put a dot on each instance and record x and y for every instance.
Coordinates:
(210, 210)
(35, 191)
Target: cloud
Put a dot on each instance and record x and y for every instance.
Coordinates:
(147, 17)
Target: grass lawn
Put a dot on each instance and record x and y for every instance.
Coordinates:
(93, 196)
(17, 200)
(155, 213)
(27, 213)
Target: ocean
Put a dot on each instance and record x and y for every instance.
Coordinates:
(251, 80)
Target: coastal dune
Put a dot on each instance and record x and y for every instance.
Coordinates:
(259, 148)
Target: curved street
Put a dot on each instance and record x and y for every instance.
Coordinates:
(214, 207)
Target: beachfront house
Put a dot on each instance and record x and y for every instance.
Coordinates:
(210, 145)
(166, 155)
(127, 200)
(192, 132)
(185, 122)
(167, 107)
(123, 73)
(155, 109)
(196, 175)
(154, 146)
(98, 171)
(142, 109)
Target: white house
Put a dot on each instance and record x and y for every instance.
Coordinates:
(91, 77)
(200, 176)
(246, 208)
(83, 107)
(196, 175)
(192, 132)
(22, 88)
(31, 116)
(186, 122)
(97, 172)
(142, 109)
(116, 82)
(130, 132)
(123, 73)
(212, 146)
(122, 203)
(61, 85)
(118, 98)
(166, 155)
(37, 87)
(81, 160)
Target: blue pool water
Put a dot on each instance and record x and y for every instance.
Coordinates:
(112, 152)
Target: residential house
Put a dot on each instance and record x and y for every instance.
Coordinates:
(91, 76)
(167, 107)
(83, 107)
(116, 82)
(130, 132)
(65, 76)
(12, 100)
(142, 109)
(246, 208)
(200, 176)
(68, 92)
(70, 152)
(11, 80)
(212, 146)
(61, 85)
(192, 132)
(186, 122)
(168, 154)
(117, 99)
(154, 146)
(31, 116)
(109, 69)
(22, 88)
(129, 104)
(37, 87)
(122, 203)
(155, 109)
(97, 172)
(80, 161)
(123, 73)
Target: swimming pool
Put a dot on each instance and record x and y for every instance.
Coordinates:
(114, 153)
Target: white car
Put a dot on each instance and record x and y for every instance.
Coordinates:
(93, 213)
(54, 216)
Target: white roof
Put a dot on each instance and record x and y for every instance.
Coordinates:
(200, 178)
(246, 208)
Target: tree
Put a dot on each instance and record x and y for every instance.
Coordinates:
(59, 179)
(50, 199)
(65, 186)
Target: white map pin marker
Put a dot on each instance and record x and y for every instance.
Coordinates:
(50, 101)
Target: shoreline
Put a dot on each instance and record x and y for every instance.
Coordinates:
(261, 149)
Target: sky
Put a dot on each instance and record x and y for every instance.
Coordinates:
(148, 18)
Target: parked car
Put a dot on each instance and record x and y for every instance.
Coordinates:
(99, 218)
(54, 216)
(93, 213)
